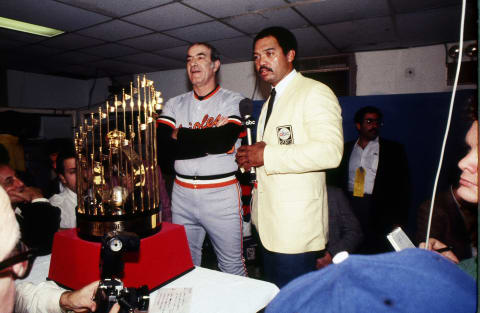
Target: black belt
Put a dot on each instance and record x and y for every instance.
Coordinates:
(208, 177)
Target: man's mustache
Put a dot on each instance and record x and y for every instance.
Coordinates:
(265, 68)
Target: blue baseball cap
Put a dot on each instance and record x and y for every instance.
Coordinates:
(412, 280)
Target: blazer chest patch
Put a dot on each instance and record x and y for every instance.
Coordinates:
(285, 135)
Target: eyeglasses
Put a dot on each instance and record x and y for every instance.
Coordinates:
(21, 254)
(370, 121)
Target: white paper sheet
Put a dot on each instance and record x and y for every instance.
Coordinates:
(172, 300)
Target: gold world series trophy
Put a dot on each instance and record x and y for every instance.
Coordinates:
(119, 225)
(117, 173)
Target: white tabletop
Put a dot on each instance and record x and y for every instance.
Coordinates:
(211, 291)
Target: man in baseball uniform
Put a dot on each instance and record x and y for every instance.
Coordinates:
(201, 127)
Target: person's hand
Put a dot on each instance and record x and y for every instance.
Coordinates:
(250, 156)
(26, 194)
(81, 300)
(115, 308)
(324, 261)
(223, 120)
(175, 133)
(435, 244)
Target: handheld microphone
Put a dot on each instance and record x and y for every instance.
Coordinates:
(246, 108)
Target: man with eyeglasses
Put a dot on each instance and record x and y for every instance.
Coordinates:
(15, 263)
(374, 171)
(38, 219)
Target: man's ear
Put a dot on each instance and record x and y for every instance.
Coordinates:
(357, 125)
(216, 65)
(62, 179)
(291, 56)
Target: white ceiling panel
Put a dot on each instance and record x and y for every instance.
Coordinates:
(81, 71)
(152, 42)
(239, 48)
(114, 30)
(123, 67)
(224, 8)
(335, 11)
(347, 35)
(110, 50)
(177, 53)
(204, 32)
(149, 59)
(115, 8)
(403, 6)
(312, 43)
(253, 23)
(38, 50)
(167, 17)
(71, 41)
(412, 27)
(49, 13)
(76, 57)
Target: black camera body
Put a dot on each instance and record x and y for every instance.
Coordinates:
(110, 289)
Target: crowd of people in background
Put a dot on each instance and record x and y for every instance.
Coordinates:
(314, 195)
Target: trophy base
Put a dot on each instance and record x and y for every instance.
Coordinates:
(93, 228)
(161, 259)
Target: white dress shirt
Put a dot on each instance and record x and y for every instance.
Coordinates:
(66, 201)
(366, 158)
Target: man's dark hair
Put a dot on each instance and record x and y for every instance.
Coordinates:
(63, 154)
(214, 55)
(286, 39)
(472, 105)
(358, 118)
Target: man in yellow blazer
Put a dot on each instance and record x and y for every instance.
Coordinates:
(297, 140)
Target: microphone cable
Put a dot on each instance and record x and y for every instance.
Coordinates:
(452, 99)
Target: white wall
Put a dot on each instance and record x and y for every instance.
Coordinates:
(414, 70)
(29, 90)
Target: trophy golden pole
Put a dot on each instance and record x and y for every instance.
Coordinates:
(139, 140)
(145, 130)
(132, 136)
(80, 179)
(125, 140)
(99, 163)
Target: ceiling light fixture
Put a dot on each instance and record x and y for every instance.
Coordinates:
(29, 28)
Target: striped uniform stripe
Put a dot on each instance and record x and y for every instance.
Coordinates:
(167, 121)
(210, 94)
(201, 184)
(235, 120)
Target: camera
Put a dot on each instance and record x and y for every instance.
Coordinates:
(131, 300)
(110, 289)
